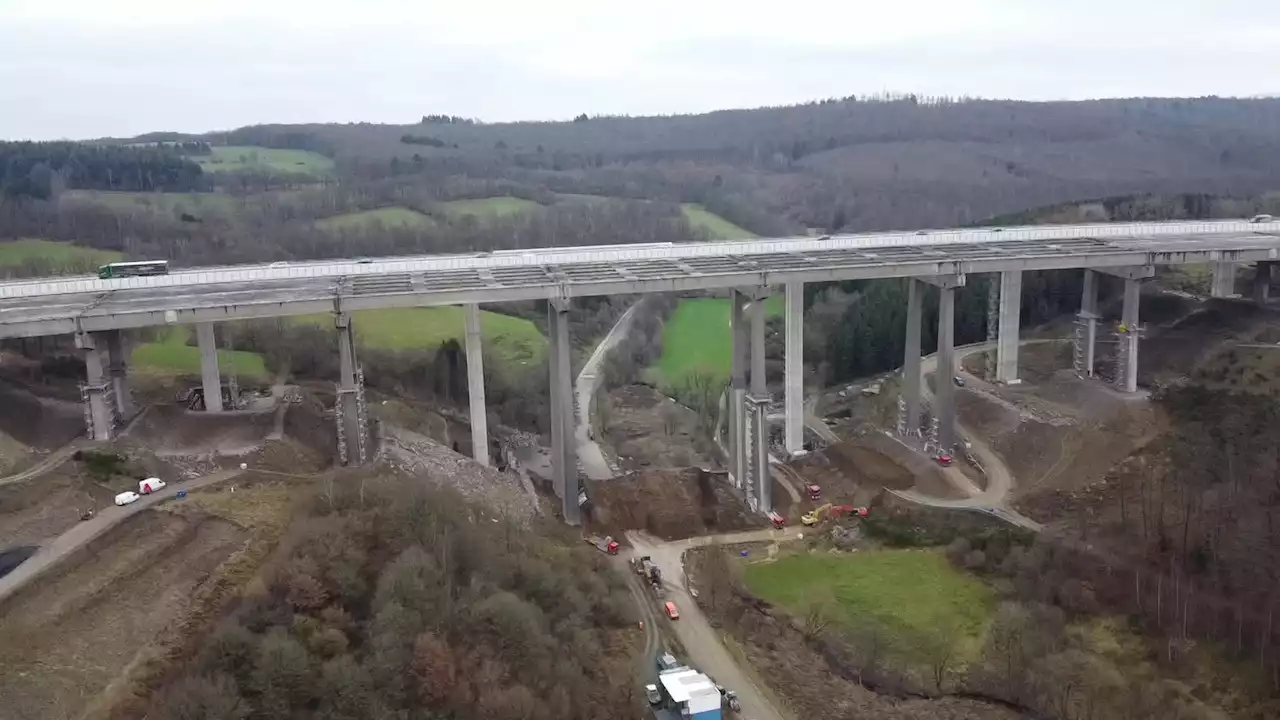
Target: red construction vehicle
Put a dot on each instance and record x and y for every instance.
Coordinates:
(814, 490)
(777, 520)
(606, 544)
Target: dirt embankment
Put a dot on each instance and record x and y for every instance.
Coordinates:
(39, 422)
(64, 639)
(855, 471)
(670, 504)
(650, 430)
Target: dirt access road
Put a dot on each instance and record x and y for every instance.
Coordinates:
(56, 458)
(592, 459)
(68, 542)
(994, 498)
(706, 650)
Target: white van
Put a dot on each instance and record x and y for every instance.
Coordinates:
(125, 498)
(150, 485)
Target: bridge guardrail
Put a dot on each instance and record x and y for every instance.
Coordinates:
(615, 254)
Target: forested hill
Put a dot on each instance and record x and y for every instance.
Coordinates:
(853, 164)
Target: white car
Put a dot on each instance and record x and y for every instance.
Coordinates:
(125, 498)
(150, 485)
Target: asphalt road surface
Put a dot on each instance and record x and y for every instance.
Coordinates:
(590, 456)
(706, 650)
(68, 542)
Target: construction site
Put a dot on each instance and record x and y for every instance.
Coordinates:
(98, 595)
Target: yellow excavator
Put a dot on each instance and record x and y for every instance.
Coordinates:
(813, 517)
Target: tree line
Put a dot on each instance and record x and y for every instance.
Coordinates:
(39, 170)
(391, 599)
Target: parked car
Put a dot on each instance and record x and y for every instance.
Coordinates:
(150, 485)
(671, 610)
(127, 497)
(1261, 219)
(652, 694)
(945, 460)
(959, 381)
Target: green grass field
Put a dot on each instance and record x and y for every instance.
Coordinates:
(30, 257)
(487, 208)
(696, 339)
(388, 217)
(234, 158)
(171, 355)
(914, 596)
(717, 227)
(514, 341)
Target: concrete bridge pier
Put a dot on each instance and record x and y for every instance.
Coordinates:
(759, 408)
(1010, 320)
(564, 454)
(97, 390)
(210, 377)
(1129, 336)
(1223, 284)
(350, 411)
(1088, 321)
(118, 350)
(945, 412)
(738, 386)
(911, 360)
(1262, 282)
(475, 386)
(794, 368)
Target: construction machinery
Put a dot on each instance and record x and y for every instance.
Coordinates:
(650, 572)
(814, 490)
(816, 516)
(606, 544)
(777, 520)
(813, 517)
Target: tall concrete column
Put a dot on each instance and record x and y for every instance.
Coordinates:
(760, 424)
(475, 387)
(911, 356)
(1262, 282)
(349, 390)
(210, 378)
(118, 349)
(794, 371)
(1010, 318)
(1129, 320)
(565, 455)
(738, 385)
(1089, 318)
(945, 387)
(100, 414)
(1223, 283)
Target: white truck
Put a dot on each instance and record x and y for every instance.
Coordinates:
(150, 485)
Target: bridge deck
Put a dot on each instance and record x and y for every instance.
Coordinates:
(53, 306)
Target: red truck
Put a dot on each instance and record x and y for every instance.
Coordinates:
(606, 544)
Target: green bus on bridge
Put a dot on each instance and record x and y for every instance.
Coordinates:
(133, 269)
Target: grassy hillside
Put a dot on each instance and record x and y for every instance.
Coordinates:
(486, 208)
(696, 339)
(235, 158)
(717, 227)
(171, 355)
(389, 217)
(31, 257)
(914, 596)
(514, 341)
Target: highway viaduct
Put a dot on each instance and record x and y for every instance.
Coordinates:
(95, 311)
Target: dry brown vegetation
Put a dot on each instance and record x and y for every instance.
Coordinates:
(670, 504)
(389, 596)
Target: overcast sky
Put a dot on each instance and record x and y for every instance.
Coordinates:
(92, 68)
